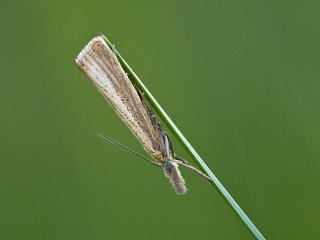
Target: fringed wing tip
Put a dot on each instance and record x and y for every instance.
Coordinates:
(89, 47)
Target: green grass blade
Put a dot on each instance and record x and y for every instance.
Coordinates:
(187, 146)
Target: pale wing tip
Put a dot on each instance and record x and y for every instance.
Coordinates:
(88, 48)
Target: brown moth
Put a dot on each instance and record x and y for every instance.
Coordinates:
(102, 67)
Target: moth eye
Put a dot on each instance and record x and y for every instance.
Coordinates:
(167, 166)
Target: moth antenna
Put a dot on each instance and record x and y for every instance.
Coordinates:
(105, 137)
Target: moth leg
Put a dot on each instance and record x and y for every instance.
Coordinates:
(188, 165)
(167, 145)
(182, 160)
(171, 156)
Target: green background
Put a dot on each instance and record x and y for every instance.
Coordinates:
(239, 78)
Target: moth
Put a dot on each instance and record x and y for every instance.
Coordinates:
(101, 66)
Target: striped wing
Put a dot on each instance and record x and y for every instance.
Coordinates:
(102, 67)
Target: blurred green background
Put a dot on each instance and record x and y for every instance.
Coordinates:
(239, 78)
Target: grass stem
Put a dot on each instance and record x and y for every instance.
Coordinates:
(187, 146)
